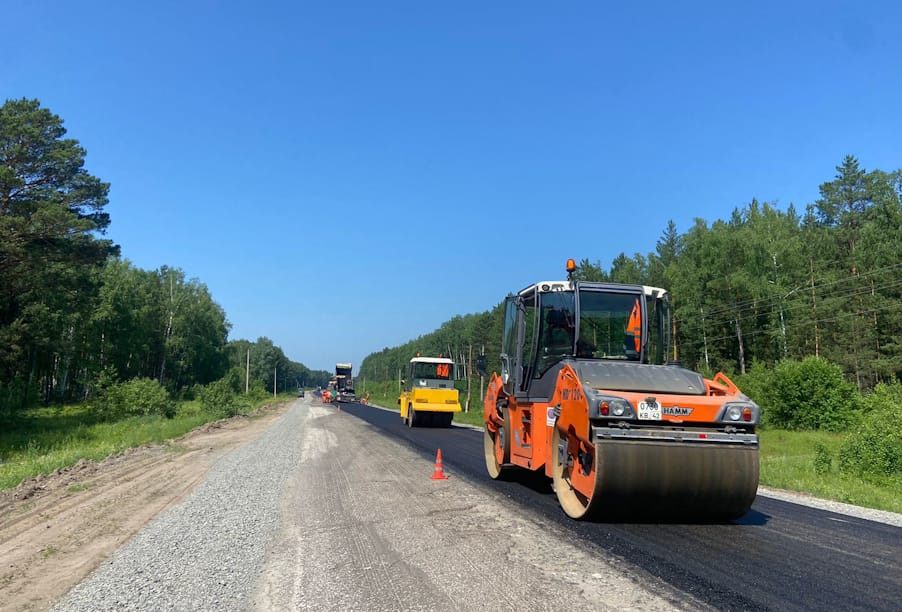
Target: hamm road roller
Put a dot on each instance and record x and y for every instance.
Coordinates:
(585, 395)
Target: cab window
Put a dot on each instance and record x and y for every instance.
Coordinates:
(610, 325)
(435, 371)
(556, 334)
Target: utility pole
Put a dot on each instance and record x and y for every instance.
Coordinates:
(817, 339)
(275, 389)
(469, 376)
(482, 378)
(247, 373)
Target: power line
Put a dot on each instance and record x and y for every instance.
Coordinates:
(897, 307)
(818, 285)
(791, 306)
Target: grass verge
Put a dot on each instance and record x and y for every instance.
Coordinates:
(807, 462)
(41, 440)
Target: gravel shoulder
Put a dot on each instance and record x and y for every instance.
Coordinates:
(55, 529)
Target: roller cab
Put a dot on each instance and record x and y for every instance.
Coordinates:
(585, 396)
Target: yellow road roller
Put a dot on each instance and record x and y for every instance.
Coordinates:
(428, 397)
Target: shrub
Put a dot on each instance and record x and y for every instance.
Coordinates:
(136, 397)
(882, 396)
(234, 378)
(808, 394)
(755, 382)
(258, 391)
(219, 399)
(822, 459)
(875, 448)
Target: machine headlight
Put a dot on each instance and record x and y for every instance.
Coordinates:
(613, 406)
(740, 412)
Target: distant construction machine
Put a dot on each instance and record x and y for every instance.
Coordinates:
(344, 382)
(428, 397)
(586, 397)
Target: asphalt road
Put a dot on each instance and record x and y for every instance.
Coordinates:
(780, 556)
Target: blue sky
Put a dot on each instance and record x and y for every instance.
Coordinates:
(346, 176)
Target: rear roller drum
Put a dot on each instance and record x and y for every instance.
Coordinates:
(411, 417)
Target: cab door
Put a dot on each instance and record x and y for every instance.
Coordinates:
(511, 349)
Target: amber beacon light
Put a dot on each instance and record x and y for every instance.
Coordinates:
(571, 268)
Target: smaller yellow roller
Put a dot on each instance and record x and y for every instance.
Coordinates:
(429, 398)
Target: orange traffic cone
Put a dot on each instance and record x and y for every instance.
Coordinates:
(439, 473)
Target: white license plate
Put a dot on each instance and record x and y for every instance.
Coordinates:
(649, 411)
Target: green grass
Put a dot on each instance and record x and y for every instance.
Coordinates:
(474, 417)
(788, 462)
(41, 440)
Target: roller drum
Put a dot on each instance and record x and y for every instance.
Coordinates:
(694, 480)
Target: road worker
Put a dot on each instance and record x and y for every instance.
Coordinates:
(632, 343)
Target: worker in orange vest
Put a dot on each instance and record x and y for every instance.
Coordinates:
(633, 341)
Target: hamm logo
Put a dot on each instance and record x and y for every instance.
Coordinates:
(676, 411)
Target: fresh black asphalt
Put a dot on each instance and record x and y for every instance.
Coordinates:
(780, 556)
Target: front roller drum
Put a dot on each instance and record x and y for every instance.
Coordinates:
(662, 479)
(497, 447)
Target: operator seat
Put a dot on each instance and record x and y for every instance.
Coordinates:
(558, 337)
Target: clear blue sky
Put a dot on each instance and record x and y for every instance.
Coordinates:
(346, 176)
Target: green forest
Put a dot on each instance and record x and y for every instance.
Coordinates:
(78, 321)
(763, 286)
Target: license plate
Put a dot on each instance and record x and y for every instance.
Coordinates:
(649, 411)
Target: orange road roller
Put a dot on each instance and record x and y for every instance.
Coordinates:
(585, 395)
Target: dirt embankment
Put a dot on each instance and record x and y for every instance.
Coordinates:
(55, 529)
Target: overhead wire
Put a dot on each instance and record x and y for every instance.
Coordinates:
(799, 289)
(797, 324)
(765, 304)
(791, 308)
